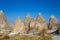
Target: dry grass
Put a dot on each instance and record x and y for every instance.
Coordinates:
(24, 37)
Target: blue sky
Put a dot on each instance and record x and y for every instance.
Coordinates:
(14, 8)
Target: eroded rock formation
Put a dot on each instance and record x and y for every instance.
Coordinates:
(30, 25)
(53, 22)
(4, 25)
(18, 26)
(27, 22)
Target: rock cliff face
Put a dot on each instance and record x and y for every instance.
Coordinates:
(40, 23)
(53, 22)
(37, 24)
(27, 22)
(40, 18)
(18, 26)
(30, 25)
(4, 26)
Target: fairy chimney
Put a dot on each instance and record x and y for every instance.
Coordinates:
(27, 22)
(4, 26)
(18, 26)
(40, 23)
(52, 22)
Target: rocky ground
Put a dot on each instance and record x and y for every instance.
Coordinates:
(28, 37)
(56, 37)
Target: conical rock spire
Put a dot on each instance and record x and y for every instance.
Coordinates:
(4, 26)
(28, 15)
(40, 23)
(18, 26)
(27, 22)
(53, 22)
(40, 18)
